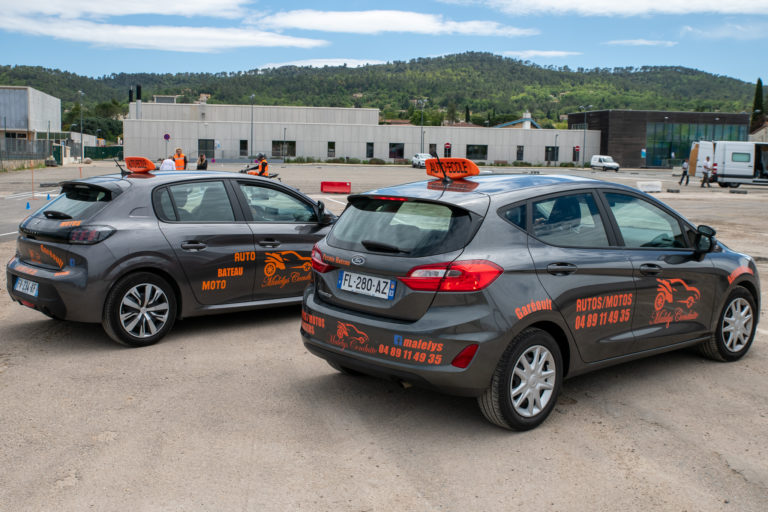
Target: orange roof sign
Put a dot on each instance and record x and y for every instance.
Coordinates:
(139, 164)
(453, 168)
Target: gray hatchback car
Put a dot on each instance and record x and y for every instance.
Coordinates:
(501, 286)
(136, 252)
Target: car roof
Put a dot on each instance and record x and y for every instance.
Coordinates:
(153, 179)
(473, 193)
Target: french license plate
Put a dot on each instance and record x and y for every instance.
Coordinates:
(25, 286)
(367, 285)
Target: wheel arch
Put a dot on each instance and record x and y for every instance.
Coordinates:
(561, 337)
(158, 272)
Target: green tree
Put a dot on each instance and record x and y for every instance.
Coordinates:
(758, 108)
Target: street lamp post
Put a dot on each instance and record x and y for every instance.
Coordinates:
(284, 135)
(250, 148)
(557, 149)
(584, 146)
(82, 147)
(422, 101)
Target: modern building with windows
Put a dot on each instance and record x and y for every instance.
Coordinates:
(648, 138)
(238, 132)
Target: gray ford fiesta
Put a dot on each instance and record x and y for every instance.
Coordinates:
(501, 286)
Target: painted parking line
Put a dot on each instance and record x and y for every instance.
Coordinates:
(25, 195)
(326, 198)
(11, 233)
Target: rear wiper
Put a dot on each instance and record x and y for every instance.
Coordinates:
(372, 245)
(53, 214)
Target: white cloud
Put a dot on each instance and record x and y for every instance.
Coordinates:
(744, 32)
(634, 8)
(319, 63)
(546, 54)
(380, 21)
(73, 9)
(180, 39)
(640, 42)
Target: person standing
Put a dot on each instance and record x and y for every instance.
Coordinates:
(685, 175)
(202, 163)
(167, 164)
(706, 170)
(180, 159)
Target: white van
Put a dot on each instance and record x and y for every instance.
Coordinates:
(604, 162)
(733, 162)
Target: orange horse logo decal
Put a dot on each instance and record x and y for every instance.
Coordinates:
(286, 260)
(674, 301)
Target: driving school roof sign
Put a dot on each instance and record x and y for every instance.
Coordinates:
(453, 168)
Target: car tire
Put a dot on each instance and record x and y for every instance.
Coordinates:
(507, 402)
(139, 327)
(616, 169)
(735, 330)
(722, 185)
(734, 185)
(343, 369)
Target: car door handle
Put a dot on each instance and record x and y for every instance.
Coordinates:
(269, 242)
(649, 269)
(193, 246)
(561, 269)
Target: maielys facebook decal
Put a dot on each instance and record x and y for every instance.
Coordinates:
(417, 350)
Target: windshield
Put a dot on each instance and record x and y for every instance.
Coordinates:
(407, 228)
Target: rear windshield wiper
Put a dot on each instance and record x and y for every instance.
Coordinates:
(53, 214)
(372, 245)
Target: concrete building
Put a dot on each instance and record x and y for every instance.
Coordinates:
(648, 138)
(234, 132)
(26, 111)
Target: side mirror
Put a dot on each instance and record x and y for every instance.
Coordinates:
(704, 242)
(324, 217)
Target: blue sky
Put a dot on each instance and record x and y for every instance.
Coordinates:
(94, 38)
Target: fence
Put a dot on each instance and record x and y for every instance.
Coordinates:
(15, 153)
(103, 152)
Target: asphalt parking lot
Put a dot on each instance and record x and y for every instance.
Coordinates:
(231, 413)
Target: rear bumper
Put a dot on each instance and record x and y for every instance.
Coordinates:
(64, 294)
(418, 353)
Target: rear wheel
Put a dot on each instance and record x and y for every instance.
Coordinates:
(526, 382)
(722, 185)
(139, 310)
(734, 185)
(735, 328)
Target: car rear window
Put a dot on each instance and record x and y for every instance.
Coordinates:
(79, 201)
(406, 228)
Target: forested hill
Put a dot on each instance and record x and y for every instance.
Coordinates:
(489, 85)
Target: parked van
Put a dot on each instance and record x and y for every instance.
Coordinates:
(604, 162)
(733, 162)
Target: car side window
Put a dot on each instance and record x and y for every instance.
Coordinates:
(267, 204)
(643, 224)
(569, 220)
(516, 215)
(203, 201)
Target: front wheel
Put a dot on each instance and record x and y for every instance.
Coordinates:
(526, 382)
(735, 328)
(722, 185)
(139, 310)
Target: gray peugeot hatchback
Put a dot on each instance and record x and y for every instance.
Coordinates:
(136, 252)
(501, 286)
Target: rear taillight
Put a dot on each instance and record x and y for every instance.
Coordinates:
(465, 357)
(317, 261)
(459, 276)
(87, 235)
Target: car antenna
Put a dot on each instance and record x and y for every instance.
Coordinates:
(445, 178)
(123, 172)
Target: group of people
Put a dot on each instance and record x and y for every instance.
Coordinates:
(178, 162)
(706, 172)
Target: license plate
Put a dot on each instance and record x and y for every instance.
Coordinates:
(367, 285)
(25, 286)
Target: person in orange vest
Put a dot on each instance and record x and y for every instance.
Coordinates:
(263, 169)
(180, 159)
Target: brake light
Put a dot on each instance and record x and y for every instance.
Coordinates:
(317, 261)
(389, 198)
(88, 235)
(459, 276)
(465, 357)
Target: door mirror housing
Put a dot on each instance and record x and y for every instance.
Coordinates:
(324, 217)
(704, 242)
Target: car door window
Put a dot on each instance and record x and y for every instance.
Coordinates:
(569, 220)
(267, 204)
(643, 224)
(202, 201)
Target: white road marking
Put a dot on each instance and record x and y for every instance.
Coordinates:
(22, 195)
(11, 233)
(326, 198)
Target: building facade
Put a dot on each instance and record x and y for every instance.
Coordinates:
(27, 111)
(238, 132)
(646, 138)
